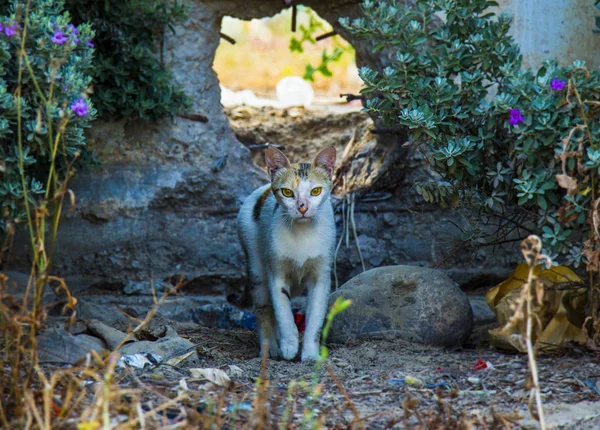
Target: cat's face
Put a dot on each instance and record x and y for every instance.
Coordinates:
(301, 188)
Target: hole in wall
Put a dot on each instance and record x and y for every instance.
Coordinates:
(266, 90)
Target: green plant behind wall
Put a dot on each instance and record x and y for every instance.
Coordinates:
(308, 33)
(527, 156)
(130, 77)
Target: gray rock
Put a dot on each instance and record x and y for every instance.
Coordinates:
(16, 282)
(144, 287)
(92, 308)
(482, 314)
(166, 347)
(410, 303)
(56, 345)
(111, 336)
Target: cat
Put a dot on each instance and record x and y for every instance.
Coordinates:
(287, 231)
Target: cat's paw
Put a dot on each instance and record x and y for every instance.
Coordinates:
(288, 348)
(310, 353)
(272, 350)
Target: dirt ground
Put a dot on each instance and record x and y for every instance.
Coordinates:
(368, 372)
(362, 385)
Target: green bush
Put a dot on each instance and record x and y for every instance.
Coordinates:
(502, 154)
(51, 83)
(309, 34)
(130, 78)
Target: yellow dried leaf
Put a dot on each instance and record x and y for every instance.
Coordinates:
(216, 376)
(568, 183)
(561, 312)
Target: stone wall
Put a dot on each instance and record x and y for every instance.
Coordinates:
(165, 198)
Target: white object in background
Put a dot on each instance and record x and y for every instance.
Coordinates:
(236, 98)
(294, 91)
(231, 98)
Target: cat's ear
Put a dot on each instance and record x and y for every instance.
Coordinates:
(326, 159)
(275, 160)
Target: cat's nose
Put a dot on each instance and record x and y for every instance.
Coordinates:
(302, 210)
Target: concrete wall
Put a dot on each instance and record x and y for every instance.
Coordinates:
(561, 29)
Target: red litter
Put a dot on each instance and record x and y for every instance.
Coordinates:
(480, 364)
(300, 321)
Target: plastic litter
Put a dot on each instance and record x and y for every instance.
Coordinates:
(223, 315)
(140, 360)
(481, 364)
(481, 393)
(474, 381)
(593, 387)
(240, 407)
(300, 320)
(416, 382)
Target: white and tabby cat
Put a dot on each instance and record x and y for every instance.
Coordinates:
(287, 231)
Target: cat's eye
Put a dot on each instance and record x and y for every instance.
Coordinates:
(316, 191)
(287, 192)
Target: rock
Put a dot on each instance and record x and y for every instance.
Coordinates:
(112, 337)
(16, 282)
(482, 314)
(145, 287)
(88, 309)
(410, 303)
(166, 347)
(56, 345)
(16, 286)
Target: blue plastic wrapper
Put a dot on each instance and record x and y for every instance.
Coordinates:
(223, 315)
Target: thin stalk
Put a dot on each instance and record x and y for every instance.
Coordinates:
(20, 133)
(593, 294)
(535, 389)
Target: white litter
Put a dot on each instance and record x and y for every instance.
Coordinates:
(140, 361)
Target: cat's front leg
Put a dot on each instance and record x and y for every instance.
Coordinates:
(316, 307)
(288, 332)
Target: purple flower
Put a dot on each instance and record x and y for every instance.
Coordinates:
(59, 37)
(557, 85)
(515, 117)
(89, 43)
(1, 28)
(79, 107)
(73, 29)
(11, 30)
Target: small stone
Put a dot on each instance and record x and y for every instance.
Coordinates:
(474, 381)
(411, 303)
(482, 314)
(390, 218)
(56, 345)
(376, 260)
(143, 287)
